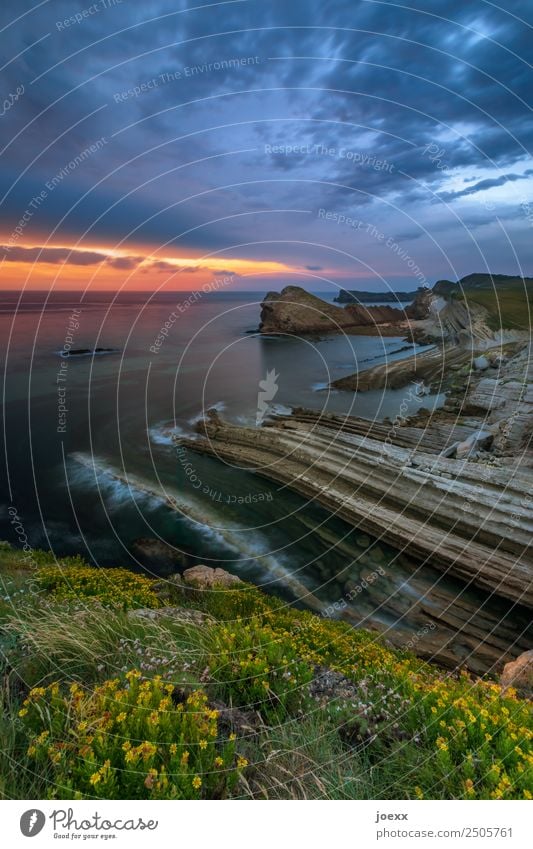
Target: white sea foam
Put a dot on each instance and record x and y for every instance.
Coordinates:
(162, 433)
(119, 487)
(280, 409)
(219, 406)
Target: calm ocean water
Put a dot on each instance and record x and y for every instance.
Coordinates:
(84, 436)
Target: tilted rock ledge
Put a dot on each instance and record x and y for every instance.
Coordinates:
(451, 490)
(464, 517)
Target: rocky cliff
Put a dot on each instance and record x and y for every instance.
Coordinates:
(480, 310)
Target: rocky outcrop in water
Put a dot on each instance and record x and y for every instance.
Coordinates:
(296, 311)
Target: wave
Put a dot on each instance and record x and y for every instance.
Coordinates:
(219, 406)
(163, 433)
(120, 487)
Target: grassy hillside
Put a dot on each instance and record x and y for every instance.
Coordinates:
(229, 693)
(508, 307)
(507, 299)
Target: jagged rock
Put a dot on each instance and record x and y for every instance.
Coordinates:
(205, 578)
(183, 615)
(519, 674)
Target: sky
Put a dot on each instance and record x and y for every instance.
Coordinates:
(252, 144)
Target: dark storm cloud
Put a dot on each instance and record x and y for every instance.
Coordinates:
(422, 93)
(164, 266)
(54, 256)
(125, 263)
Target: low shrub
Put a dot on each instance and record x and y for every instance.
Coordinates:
(114, 588)
(128, 739)
(392, 727)
(260, 669)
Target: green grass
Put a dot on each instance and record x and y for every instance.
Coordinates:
(84, 685)
(509, 307)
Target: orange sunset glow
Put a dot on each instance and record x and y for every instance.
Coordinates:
(35, 266)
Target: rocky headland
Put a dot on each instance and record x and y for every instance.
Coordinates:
(295, 311)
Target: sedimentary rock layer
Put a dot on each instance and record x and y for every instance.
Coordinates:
(429, 367)
(468, 519)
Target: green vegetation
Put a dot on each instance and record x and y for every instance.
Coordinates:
(507, 299)
(508, 307)
(257, 700)
(101, 741)
(109, 588)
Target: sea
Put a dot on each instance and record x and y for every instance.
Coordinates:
(90, 463)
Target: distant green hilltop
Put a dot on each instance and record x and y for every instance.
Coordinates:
(346, 296)
(506, 297)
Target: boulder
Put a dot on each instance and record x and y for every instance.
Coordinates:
(481, 363)
(205, 578)
(519, 674)
(183, 615)
(480, 439)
